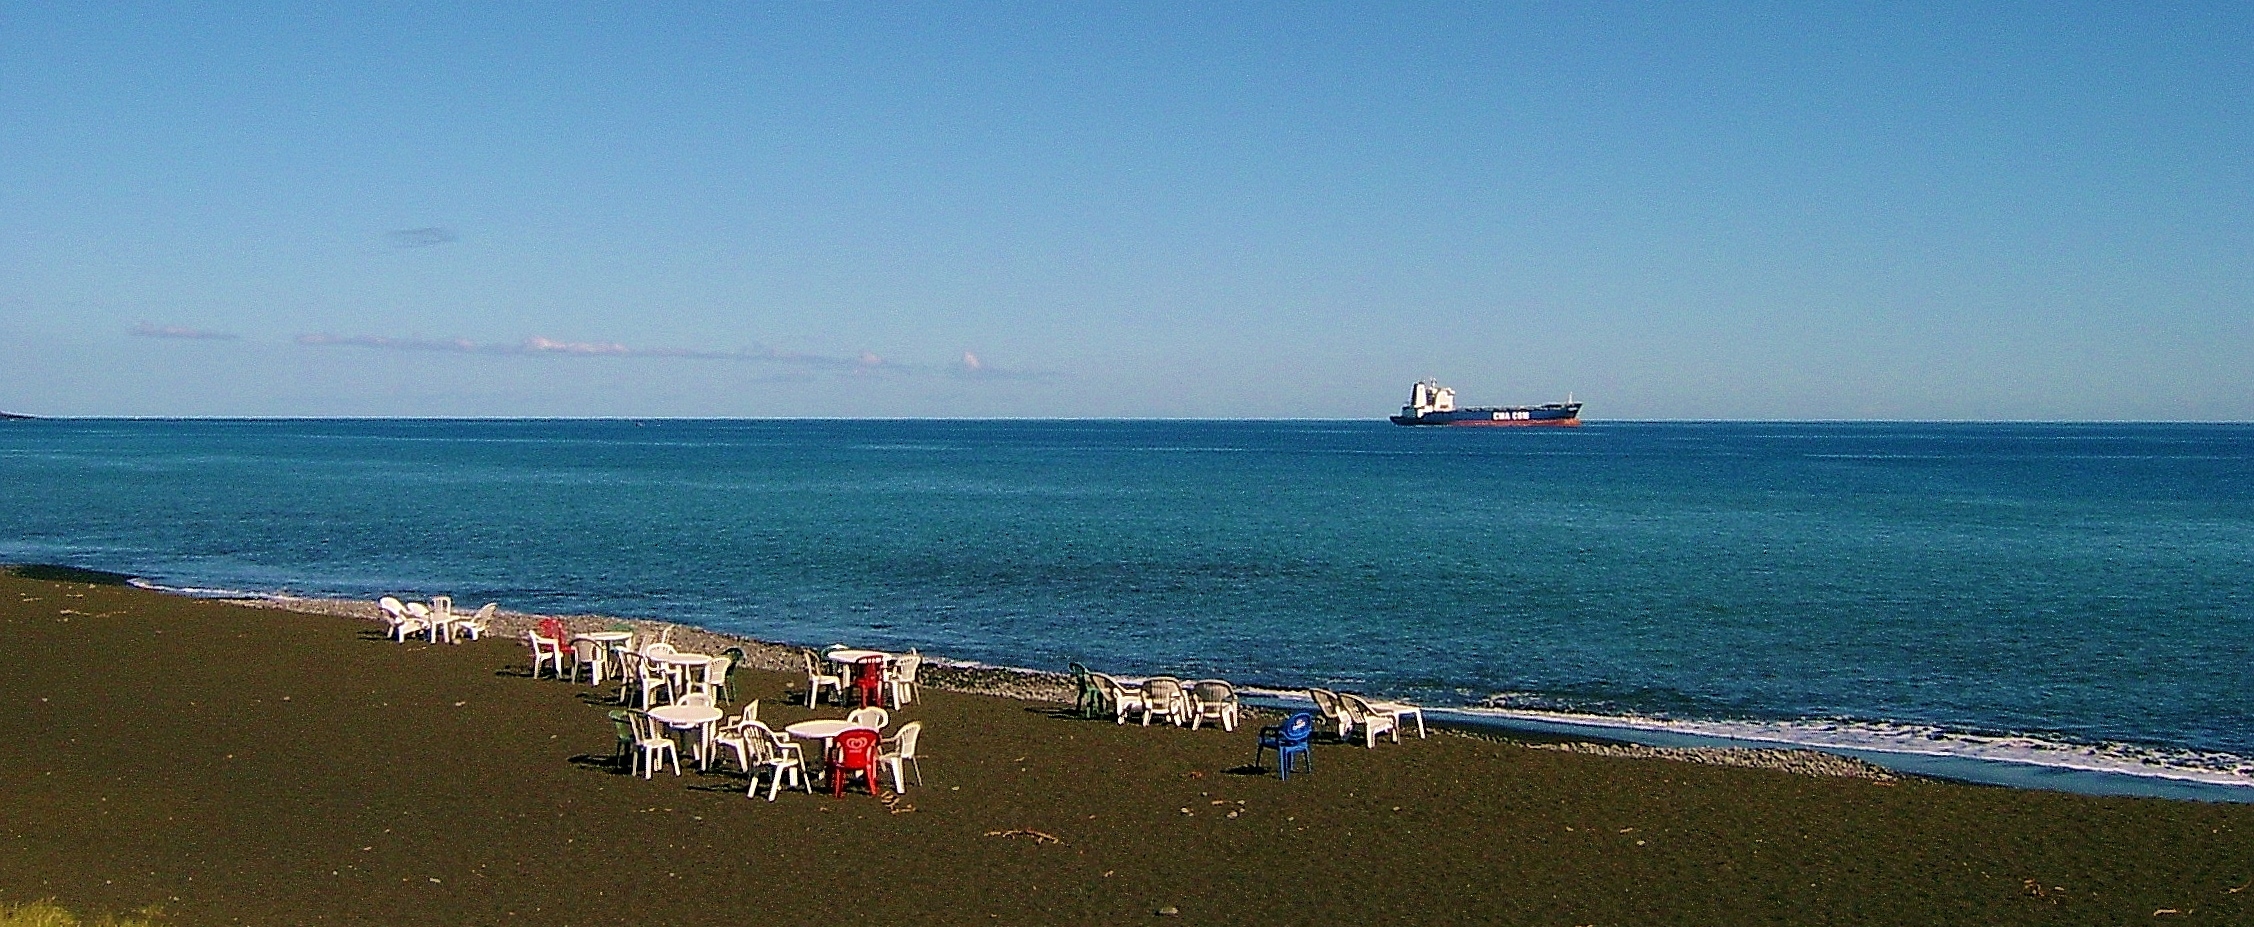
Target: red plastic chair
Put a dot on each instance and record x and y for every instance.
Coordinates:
(868, 680)
(854, 750)
(553, 629)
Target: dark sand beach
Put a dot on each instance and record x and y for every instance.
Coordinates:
(252, 765)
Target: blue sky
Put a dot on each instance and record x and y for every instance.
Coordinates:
(1063, 210)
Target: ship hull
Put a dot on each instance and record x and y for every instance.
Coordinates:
(1517, 417)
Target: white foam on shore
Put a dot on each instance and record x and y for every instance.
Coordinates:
(202, 592)
(1877, 737)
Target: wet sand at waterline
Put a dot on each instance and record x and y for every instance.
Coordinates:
(248, 765)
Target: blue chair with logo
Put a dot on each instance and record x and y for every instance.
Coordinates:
(1289, 739)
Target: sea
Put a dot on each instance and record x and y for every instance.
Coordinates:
(2046, 605)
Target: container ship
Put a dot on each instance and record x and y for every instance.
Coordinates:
(1433, 404)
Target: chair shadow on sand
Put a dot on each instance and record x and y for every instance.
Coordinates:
(603, 762)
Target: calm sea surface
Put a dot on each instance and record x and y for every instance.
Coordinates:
(2078, 594)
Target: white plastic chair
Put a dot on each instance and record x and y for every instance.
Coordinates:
(1326, 702)
(1400, 712)
(1123, 698)
(1214, 699)
(1163, 698)
(545, 652)
(588, 655)
(901, 748)
(900, 674)
(713, 680)
(650, 739)
(1372, 721)
(735, 735)
(431, 623)
(476, 625)
(780, 757)
(816, 679)
(402, 623)
(649, 681)
(871, 716)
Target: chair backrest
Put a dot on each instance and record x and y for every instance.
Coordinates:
(857, 747)
(736, 657)
(442, 604)
(868, 670)
(622, 720)
(905, 668)
(1105, 684)
(811, 668)
(906, 739)
(485, 612)
(716, 672)
(418, 609)
(1213, 692)
(750, 715)
(774, 739)
(1161, 688)
(658, 649)
(553, 629)
(1358, 708)
(872, 716)
(540, 645)
(1299, 728)
(1326, 702)
(630, 663)
(586, 651)
(1079, 673)
(392, 607)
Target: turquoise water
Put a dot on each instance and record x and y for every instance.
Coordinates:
(2066, 594)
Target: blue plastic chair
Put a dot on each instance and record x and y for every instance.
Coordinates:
(1288, 739)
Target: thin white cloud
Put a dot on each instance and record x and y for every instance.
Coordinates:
(539, 346)
(147, 330)
(974, 367)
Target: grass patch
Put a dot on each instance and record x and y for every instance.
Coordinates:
(50, 914)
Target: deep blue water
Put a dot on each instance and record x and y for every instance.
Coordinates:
(2085, 583)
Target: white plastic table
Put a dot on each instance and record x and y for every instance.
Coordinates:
(677, 667)
(442, 625)
(685, 717)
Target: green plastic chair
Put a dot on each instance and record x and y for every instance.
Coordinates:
(1091, 700)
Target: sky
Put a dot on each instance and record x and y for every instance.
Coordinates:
(1670, 211)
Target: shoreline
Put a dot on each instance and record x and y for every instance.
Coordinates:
(1707, 743)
